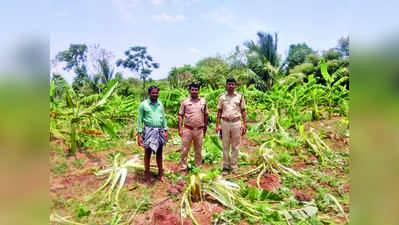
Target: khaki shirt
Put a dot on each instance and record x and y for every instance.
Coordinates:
(231, 105)
(193, 111)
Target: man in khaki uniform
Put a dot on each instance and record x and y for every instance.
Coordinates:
(230, 108)
(194, 111)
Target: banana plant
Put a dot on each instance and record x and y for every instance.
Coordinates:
(90, 109)
(332, 84)
(226, 192)
(171, 99)
(229, 195)
(316, 111)
(212, 149)
(272, 124)
(118, 172)
(313, 141)
(267, 162)
(55, 218)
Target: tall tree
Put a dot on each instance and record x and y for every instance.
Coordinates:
(139, 61)
(102, 66)
(313, 58)
(332, 54)
(102, 71)
(180, 77)
(343, 46)
(297, 54)
(266, 47)
(262, 59)
(237, 59)
(213, 71)
(75, 58)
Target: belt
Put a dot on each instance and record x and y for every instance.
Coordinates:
(192, 128)
(153, 126)
(231, 120)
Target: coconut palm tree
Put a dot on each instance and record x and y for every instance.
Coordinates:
(263, 60)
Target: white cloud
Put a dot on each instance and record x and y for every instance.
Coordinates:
(125, 8)
(244, 28)
(167, 18)
(221, 16)
(194, 50)
(157, 2)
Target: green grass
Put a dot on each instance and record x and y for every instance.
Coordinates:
(78, 163)
(59, 168)
(174, 156)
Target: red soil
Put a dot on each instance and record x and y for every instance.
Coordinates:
(269, 182)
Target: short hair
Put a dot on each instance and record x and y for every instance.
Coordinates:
(231, 79)
(193, 85)
(151, 88)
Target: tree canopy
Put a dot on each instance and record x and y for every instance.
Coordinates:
(262, 59)
(297, 54)
(139, 61)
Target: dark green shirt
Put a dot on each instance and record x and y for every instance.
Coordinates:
(151, 115)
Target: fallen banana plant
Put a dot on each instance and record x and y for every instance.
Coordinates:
(118, 172)
(226, 192)
(271, 124)
(301, 213)
(55, 218)
(316, 144)
(340, 209)
(267, 162)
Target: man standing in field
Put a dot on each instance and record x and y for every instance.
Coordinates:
(155, 133)
(231, 106)
(194, 111)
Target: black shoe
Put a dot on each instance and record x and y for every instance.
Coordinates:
(225, 171)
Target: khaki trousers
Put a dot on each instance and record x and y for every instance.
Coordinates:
(231, 132)
(196, 136)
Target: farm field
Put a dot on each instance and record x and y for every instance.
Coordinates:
(293, 165)
(73, 182)
(294, 160)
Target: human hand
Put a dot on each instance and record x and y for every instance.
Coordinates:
(166, 136)
(217, 129)
(243, 130)
(181, 133)
(140, 141)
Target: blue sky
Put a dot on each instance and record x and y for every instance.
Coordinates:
(179, 32)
